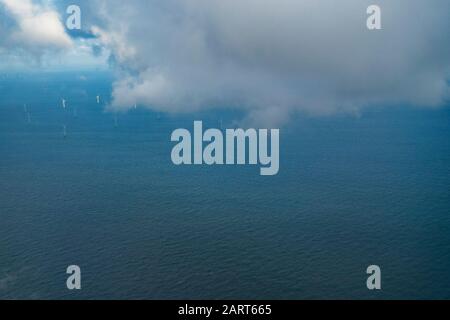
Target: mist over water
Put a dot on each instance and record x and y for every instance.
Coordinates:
(352, 191)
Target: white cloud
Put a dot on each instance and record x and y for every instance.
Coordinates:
(37, 28)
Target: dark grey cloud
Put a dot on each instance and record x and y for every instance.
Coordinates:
(276, 57)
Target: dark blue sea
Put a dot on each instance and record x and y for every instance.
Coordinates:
(352, 191)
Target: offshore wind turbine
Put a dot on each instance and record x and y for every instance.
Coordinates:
(63, 103)
(98, 99)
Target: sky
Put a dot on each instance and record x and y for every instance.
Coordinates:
(271, 59)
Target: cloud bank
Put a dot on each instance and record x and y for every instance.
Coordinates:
(275, 57)
(33, 28)
(269, 58)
